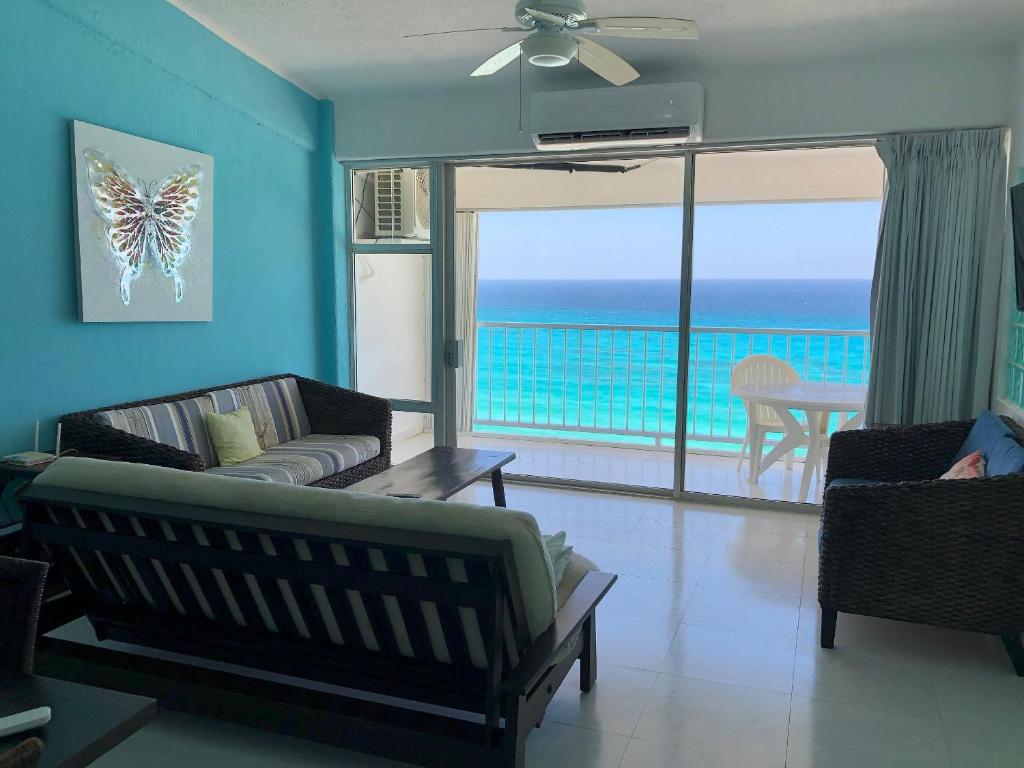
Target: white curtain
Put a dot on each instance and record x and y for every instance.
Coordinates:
(936, 287)
(466, 258)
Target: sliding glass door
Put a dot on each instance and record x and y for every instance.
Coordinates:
(622, 322)
(782, 257)
(567, 287)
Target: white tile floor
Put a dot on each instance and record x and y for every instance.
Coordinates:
(629, 466)
(708, 656)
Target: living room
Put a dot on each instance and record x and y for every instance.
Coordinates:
(191, 247)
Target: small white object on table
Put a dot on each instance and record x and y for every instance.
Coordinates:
(819, 400)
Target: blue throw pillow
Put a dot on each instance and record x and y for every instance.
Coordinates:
(984, 436)
(1006, 457)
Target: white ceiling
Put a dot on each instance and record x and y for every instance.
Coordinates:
(333, 47)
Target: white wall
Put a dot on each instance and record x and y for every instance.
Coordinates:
(1017, 112)
(392, 331)
(869, 94)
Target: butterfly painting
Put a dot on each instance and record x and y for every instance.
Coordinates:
(145, 221)
(144, 228)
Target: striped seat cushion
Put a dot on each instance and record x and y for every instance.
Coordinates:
(178, 423)
(276, 408)
(304, 461)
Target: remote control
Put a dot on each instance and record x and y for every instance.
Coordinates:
(24, 721)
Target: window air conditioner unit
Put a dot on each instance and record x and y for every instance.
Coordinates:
(662, 115)
(401, 203)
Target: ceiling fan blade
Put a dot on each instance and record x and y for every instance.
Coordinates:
(481, 29)
(605, 63)
(641, 26)
(548, 18)
(502, 58)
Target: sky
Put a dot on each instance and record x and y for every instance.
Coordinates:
(833, 240)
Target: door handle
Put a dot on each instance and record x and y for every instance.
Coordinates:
(456, 353)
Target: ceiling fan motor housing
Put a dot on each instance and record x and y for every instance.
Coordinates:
(547, 48)
(570, 10)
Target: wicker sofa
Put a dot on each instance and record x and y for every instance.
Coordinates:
(303, 417)
(898, 543)
(321, 602)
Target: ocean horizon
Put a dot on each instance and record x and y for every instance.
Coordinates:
(783, 303)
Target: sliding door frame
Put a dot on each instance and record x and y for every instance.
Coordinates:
(683, 355)
(443, 391)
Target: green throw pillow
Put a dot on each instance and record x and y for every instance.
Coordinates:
(233, 436)
(559, 552)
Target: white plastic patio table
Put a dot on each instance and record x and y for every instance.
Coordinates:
(818, 400)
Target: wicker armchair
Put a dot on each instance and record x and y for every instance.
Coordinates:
(23, 755)
(21, 595)
(331, 410)
(914, 548)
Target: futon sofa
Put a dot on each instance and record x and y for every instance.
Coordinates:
(311, 433)
(897, 542)
(426, 602)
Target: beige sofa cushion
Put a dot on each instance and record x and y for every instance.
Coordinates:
(441, 517)
(578, 567)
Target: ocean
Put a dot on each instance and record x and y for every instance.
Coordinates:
(832, 304)
(592, 383)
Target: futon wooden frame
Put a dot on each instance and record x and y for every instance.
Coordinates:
(181, 578)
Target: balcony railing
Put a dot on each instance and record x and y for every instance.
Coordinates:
(621, 380)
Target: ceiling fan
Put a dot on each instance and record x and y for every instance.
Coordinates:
(560, 31)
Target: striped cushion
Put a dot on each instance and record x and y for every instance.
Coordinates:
(276, 408)
(304, 461)
(178, 423)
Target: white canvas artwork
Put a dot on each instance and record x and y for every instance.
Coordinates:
(144, 214)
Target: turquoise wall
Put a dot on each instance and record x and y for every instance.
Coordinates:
(143, 67)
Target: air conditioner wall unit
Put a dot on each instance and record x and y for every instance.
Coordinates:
(667, 114)
(401, 203)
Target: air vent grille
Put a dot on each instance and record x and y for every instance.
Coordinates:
(388, 202)
(630, 136)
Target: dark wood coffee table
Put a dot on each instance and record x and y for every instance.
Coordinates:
(86, 721)
(439, 474)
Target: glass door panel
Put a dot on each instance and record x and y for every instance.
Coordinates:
(570, 273)
(782, 259)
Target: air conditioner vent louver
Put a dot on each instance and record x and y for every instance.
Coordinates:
(401, 203)
(632, 136)
(658, 115)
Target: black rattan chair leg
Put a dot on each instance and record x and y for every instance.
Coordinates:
(828, 627)
(1015, 648)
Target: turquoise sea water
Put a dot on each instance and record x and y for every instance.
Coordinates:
(560, 379)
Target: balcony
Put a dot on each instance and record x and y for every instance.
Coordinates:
(599, 402)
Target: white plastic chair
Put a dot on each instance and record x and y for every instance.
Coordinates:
(847, 421)
(753, 370)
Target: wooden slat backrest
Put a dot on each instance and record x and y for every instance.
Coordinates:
(373, 600)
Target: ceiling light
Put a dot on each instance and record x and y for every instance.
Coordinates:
(550, 50)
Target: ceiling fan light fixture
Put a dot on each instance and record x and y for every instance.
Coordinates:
(555, 50)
